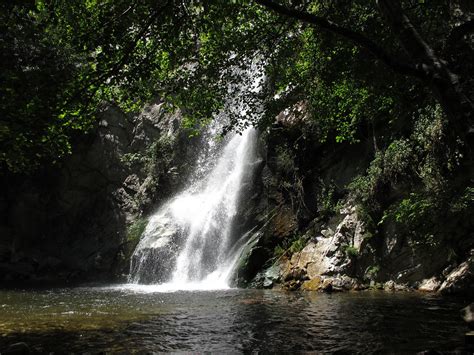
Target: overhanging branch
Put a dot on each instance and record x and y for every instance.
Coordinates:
(355, 37)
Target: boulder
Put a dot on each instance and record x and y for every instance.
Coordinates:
(155, 256)
(468, 315)
(460, 279)
(311, 285)
(389, 286)
(326, 286)
(325, 255)
(429, 285)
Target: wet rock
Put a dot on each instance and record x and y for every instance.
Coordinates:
(78, 213)
(271, 275)
(283, 223)
(344, 283)
(311, 285)
(326, 286)
(468, 315)
(267, 278)
(293, 285)
(429, 285)
(325, 254)
(402, 287)
(251, 260)
(360, 286)
(376, 285)
(154, 260)
(299, 274)
(389, 286)
(460, 279)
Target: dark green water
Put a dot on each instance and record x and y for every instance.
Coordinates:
(127, 320)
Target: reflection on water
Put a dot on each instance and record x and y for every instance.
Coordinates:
(122, 319)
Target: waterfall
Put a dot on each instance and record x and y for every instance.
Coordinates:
(189, 243)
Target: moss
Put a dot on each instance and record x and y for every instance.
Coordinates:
(297, 245)
(278, 252)
(290, 246)
(311, 285)
(135, 230)
(351, 251)
(372, 271)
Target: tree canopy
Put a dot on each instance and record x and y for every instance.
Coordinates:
(355, 64)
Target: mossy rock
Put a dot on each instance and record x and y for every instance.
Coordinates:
(136, 229)
(311, 285)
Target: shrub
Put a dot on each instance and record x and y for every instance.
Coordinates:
(290, 246)
(328, 201)
(285, 160)
(372, 271)
(297, 245)
(351, 251)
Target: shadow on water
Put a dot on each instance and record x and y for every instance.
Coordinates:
(115, 319)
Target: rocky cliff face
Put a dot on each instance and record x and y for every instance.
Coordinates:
(312, 235)
(81, 221)
(305, 230)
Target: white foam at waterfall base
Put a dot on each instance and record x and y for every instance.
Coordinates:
(205, 211)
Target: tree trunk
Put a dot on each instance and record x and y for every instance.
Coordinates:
(443, 82)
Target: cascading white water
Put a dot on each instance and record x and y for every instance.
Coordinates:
(210, 214)
(189, 242)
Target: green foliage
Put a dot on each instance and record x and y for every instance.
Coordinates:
(464, 202)
(389, 168)
(133, 159)
(61, 60)
(412, 209)
(289, 246)
(135, 231)
(430, 220)
(328, 202)
(285, 160)
(342, 106)
(415, 213)
(422, 159)
(436, 159)
(157, 158)
(372, 271)
(35, 77)
(278, 252)
(410, 185)
(351, 251)
(297, 245)
(366, 188)
(160, 155)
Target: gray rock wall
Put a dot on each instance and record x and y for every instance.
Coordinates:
(313, 236)
(80, 221)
